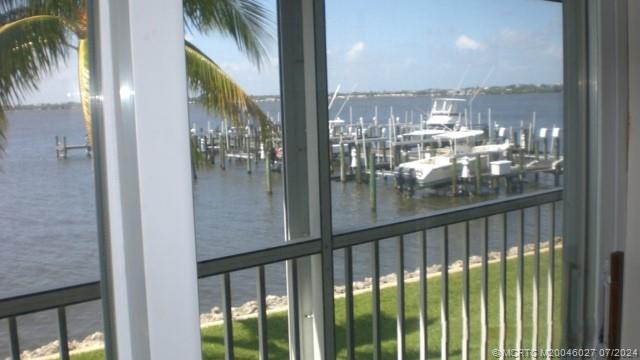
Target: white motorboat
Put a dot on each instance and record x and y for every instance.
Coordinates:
(438, 169)
(432, 170)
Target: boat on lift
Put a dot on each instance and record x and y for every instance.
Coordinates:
(437, 168)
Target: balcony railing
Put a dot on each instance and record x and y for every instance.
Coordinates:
(60, 299)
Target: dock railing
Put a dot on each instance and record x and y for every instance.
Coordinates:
(60, 299)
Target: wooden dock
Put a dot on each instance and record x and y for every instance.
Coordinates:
(62, 148)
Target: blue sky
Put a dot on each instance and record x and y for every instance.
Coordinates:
(402, 44)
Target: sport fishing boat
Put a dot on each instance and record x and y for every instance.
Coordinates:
(445, 113)
(443, 117)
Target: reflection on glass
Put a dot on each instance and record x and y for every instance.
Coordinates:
(435, 104)
(234, 120)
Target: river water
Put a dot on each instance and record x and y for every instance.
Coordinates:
(48, 224)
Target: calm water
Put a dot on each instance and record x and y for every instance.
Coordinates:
(48, 225)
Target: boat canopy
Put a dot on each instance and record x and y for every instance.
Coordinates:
(450, 99)
(455, 135)
(425, 132)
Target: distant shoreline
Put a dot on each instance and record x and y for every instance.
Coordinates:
(493, 90)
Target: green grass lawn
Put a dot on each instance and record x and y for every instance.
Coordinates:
(246, 338)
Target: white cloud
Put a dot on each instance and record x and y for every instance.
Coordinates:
(355, 51)
(510, 35)
(463, 42)
(188, 37)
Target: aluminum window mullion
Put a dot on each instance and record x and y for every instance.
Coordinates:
(306, 178)
(324, 176)
(296, 172)
(576, 114)
(99, 170)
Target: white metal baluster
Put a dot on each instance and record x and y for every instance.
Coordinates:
(424, 320)
(536, 281)
(348, 290)
(263, 342)
(550, 281)
(465, 294)
(294, 312)
(484, 291)
(375, 298)
(444, 297)
(519, 287)
(400, 317)
(503, 286)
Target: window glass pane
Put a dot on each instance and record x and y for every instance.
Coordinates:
(236, 148)
(234, 110)
(436, 92)
(48, 233)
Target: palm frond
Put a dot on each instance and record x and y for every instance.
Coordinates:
(245, 21)
(29, 48)
(8, 5)
(71, 12)
(9, 16)
(219, 94)
(3, 129)
(56, 7)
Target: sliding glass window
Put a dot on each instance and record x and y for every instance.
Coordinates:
(48, 231)
(446, 102)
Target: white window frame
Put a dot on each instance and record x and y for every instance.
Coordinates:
(152, 308)
(147, 242)
(601, 169)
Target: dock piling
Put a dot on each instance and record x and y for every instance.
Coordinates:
(478, 175)
(343, 177)
(223, 155)
(454, 177)
(372, 181)
(267, 168)
(212, 149)
(489, 126)
(358, 165)
(248, 138)
(521, 175)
